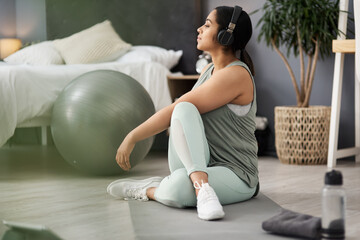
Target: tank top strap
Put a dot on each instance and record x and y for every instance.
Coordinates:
(205, 76)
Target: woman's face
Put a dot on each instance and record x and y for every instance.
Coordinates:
(206, 39)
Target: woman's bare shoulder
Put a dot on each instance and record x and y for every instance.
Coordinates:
(235, 73)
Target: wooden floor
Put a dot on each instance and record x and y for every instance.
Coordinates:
(37, 186)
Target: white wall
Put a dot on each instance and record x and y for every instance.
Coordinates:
(7, 19)
(31, 20)
(24, 19)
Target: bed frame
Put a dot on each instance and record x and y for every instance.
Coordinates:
(42, 122)
(168, 24)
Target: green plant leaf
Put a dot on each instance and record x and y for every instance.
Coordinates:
(315, 19)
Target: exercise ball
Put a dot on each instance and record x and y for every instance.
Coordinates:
(92, 116)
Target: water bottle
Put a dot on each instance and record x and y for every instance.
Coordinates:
(333, 206)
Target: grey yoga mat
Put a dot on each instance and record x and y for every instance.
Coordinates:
(152, 220)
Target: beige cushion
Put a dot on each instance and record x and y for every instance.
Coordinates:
(99, 43)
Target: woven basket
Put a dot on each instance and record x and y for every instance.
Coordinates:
(302, 134)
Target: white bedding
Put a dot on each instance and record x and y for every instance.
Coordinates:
(28, 92)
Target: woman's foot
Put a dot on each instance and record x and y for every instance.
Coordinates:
(132, 189)
(208, 205)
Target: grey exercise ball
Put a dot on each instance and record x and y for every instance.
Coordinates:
(92, 116)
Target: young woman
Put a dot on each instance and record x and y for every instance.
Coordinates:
(212, 146)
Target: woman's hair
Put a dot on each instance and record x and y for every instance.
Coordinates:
(242, 32)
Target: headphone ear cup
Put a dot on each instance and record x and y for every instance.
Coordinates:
(220, 36)
(225, 38)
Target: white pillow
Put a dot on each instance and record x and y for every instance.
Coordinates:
(168, 58)
(99, 43)
(43, 53)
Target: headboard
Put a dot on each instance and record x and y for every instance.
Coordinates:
(170, 24)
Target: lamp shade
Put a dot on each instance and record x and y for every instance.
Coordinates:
(9, 46)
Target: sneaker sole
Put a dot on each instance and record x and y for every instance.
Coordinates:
(215, 216)
(147, 180)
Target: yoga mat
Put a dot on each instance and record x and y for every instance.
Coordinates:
(152, 220)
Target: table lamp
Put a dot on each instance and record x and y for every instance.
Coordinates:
(8, 46)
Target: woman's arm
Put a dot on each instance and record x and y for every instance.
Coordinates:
(223, 87)
(157, 123)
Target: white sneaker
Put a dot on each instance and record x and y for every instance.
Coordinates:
(132, 189)
(208, 205)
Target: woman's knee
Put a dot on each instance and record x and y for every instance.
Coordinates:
(176, 190)
(184, 109)
(185, 106)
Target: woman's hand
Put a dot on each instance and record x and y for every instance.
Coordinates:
(152, 126)
(123, 154)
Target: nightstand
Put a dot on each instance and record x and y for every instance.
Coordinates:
(178, 85)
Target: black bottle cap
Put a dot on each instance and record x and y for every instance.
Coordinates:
(333, 178)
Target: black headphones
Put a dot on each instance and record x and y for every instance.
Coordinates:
(225, 36)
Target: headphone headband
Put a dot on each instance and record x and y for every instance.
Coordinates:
(235, 16)
(225, 36)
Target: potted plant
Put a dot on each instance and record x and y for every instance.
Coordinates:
(305, 28)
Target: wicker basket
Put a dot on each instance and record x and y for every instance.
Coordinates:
(302, 134)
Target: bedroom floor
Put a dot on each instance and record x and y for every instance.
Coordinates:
(37, 186)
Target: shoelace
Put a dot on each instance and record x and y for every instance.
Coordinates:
(136, 194)
(197, 184)
(209, 194)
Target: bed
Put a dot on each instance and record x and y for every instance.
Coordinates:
(28, 91)
(29, 103)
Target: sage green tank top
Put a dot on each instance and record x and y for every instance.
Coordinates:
(231, 138)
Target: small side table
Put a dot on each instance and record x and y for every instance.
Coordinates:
(179, 85)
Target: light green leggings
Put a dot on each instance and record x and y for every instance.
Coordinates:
(189, 152)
